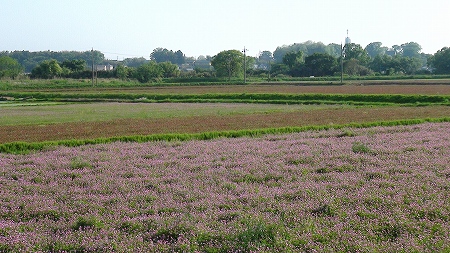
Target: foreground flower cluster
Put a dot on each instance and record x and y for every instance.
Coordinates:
(383, 189)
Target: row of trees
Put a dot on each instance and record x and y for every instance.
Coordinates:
(300, 59)
(316, 59)
(29, 60)
(76, 69)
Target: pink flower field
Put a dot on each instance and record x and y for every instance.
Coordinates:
(383, 189)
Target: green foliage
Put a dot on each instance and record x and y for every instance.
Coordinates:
(354, 68)
(358, 147)
(307, 48)
(148, 72)
(249, 178)
(169, 69)
(131, 227)
(293, 58)
(411, 50)
(389, 232)
(440, 61)
(29, 60)
(169, 234)
(121, 72)
(78, 163)
(274, 98)
(62, 247)
(398, 64)
(228, 63)
(74, 65)
(164, 55)
(375, 49)
(9, 67)
(355, 51)
(87, 222)
(324, 210)
(256, 234)
(320, 64)
(346, 133)
(47, 70)
(24, 147)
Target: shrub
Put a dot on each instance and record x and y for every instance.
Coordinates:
(87, 222)
(358, 147)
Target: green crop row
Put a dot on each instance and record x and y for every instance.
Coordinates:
(235, 98)
(26, 147)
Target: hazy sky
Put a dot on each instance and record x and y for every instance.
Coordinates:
(133, 28)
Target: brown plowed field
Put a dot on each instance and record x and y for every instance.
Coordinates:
(437, 87)
(355, 88)
(120, 127)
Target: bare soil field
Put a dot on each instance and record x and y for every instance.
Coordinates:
(195, 124)
(354, 88)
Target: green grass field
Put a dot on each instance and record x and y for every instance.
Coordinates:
(48, 113)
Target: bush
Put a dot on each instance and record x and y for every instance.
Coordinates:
(89, 222)
(358, 147)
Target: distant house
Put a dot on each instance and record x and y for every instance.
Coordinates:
(186, 67)
(204, 64)
(107, 67)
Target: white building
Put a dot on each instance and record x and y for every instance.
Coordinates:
(107, 67)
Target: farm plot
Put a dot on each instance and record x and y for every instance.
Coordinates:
(402, 87)
(383, 189)
(102, 120)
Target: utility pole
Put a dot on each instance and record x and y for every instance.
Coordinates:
(245, 65)
(342, 64)
(92, 66)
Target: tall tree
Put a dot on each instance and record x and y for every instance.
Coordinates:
(321, 64)
(47, 69)
(411, 49)
(314, 47)
(228, 63)
(409, 65)
(74, 65)
(148, 72)
(169, 69)
(121, 71)
(333, 49)
(381, 64)
(375, 48)
(9, 67)
(265, 59)
(440, 61)
(179, 57)
(293, 58)
(353, 68)
(280, 52)
(355, 51)
(163, 54)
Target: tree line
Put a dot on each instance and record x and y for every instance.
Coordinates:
(296, 60)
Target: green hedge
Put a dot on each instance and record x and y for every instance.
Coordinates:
(230, 97)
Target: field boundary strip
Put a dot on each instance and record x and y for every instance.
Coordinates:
(235, 98)
(26, 147)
